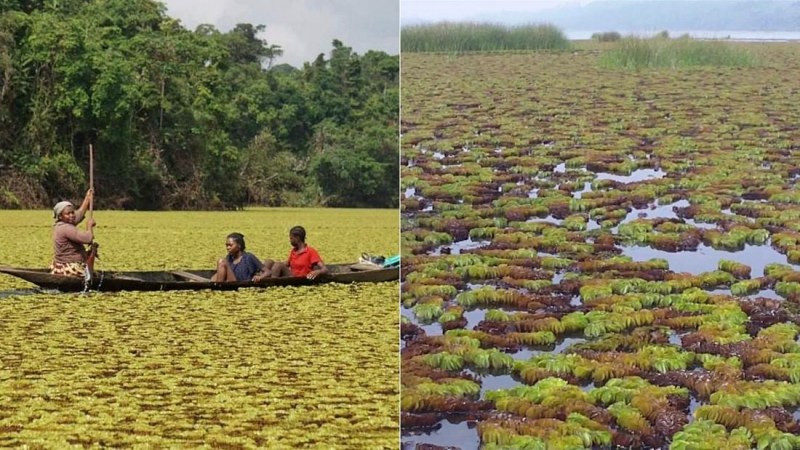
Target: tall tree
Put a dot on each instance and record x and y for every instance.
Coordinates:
(185, 119)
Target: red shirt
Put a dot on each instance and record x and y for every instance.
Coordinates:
(301, 262)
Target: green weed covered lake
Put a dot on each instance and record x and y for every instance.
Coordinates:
(598, 258)
(285, 367)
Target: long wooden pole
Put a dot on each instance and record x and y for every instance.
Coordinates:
(87, 275)
(91, 181)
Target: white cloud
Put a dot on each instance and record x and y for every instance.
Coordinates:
(303, 28)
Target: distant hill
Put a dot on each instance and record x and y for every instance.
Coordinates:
(709, 15)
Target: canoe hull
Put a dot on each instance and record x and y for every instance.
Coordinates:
(107, 281)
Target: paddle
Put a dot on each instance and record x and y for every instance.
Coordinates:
(87, 272)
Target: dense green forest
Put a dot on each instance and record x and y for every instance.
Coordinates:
(183, 119)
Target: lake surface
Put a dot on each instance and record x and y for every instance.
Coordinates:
(734, 35)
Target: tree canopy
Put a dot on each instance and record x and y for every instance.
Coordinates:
(185, 119)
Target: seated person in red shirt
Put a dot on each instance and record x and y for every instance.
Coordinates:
(303, 261)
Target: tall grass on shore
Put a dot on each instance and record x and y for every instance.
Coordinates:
(659, 52)
(606, 36)
(473, 36)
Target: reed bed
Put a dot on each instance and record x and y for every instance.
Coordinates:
(473, 36)
(658, 52)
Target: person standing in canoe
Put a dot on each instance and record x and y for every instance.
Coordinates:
(304, 261)
(239, 265)
(69, 251)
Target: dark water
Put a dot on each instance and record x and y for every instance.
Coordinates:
(706, 259)
(587, 187)
(496, 382)
(768, 293)
(549, 219)
(733, 35)
(26, 292)
(474, 317)
(636, 175)
(693, 405)
(457, 247)
(432, 329)
(657, 212)
(449, 434)
(567, 342)
(707, 226)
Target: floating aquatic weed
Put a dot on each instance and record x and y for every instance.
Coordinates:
(755, 395)
(427, 312)
(451, 314)
(539, 434)
(245, 359)
(489, 296)
(788, 289)
(498, 315)
(747, 287)
(728, 184)
(638, 338)
(700, 433)
(761, 425)
(469, 355)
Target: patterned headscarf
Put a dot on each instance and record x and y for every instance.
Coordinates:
(59, 208)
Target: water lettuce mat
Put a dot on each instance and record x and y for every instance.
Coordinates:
(598, 258)
(276, 368)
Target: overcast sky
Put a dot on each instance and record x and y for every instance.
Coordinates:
(413, 11)
(303, 28)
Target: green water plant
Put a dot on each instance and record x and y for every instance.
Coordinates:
(601, 322)
(735, 268)
(707, 435)
(453, 313)
(787, 289)
(535, 338)
(577, 432)
(427, 312)
(498, 315)
(747, 287)
(630, 418)
(760, 427)
(488, 295)
(748, 394)
(625, 389)
(455, 386)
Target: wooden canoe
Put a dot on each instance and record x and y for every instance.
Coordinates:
(110, 281)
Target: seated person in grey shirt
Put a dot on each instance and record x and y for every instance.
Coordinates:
(239, 265)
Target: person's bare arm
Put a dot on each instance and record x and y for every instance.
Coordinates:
(80, 213)
(318, 269)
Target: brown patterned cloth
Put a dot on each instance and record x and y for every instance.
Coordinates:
(71, 269)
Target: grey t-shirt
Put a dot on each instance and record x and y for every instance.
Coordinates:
(247, 266)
